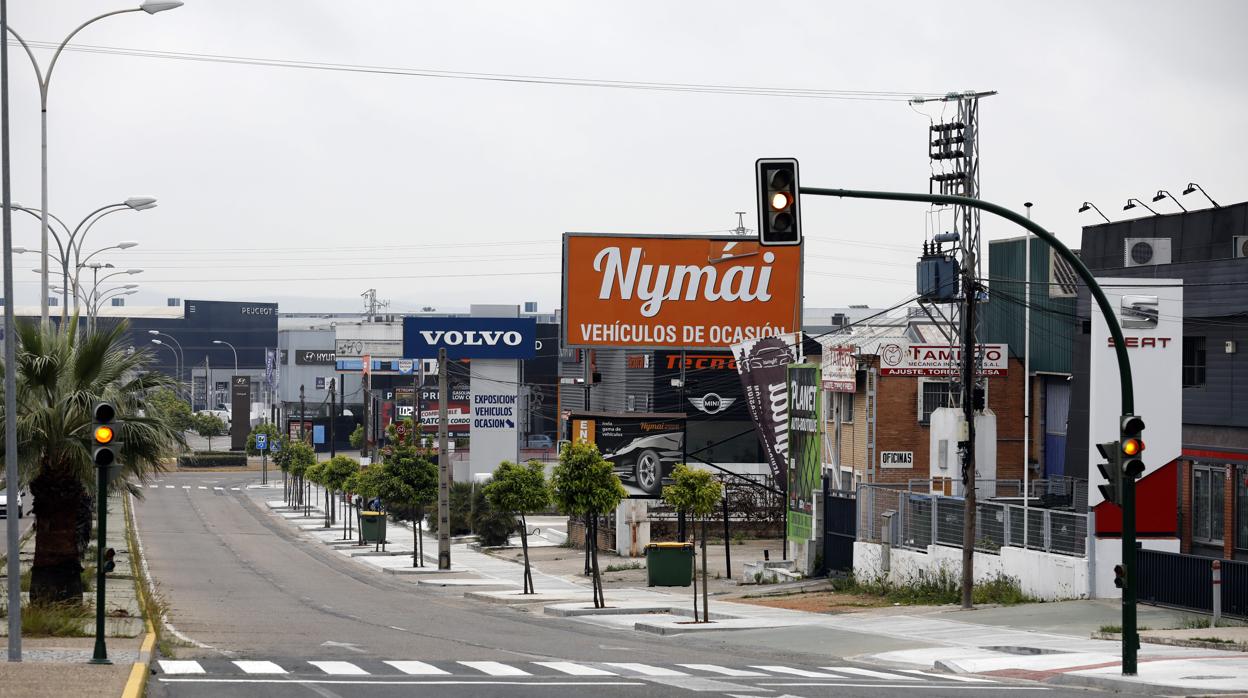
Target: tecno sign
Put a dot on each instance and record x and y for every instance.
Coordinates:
(470, 338)
(677, 292)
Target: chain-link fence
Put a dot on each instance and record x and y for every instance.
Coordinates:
(916, 520)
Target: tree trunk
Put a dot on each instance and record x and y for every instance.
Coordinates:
(588, 533)
(600, 600)
(56, 575)
(694, 573)
(706, 609)
(524, 544)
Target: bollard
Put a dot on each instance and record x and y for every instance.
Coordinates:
(1217, 594)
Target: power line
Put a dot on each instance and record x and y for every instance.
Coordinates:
(561, 81)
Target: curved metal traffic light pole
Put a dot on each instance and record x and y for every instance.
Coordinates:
(1111, 319)
(1130, 636)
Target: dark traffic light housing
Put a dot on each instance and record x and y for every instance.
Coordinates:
(1132, 446)
(104, 435)
(779, 211)
(1120, 577)
(1111, 471)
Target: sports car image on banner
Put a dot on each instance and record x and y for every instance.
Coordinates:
(642, 448)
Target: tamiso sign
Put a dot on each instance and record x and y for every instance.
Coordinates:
(470, 338)
(938, 360)
(677, 292)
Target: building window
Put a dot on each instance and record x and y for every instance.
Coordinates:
(1208, 482)
(1241, 508)
(1193, 362)
(847, 407)
(630, 403)
(933, 395)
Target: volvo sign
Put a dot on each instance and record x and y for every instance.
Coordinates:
(470, 337)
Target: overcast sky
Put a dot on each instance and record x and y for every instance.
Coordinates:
(307, 187)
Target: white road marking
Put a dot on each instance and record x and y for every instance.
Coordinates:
(574, 669)
(496, 668)
(235, 489)
(258, 667)
(716, 669)
(339, 668)
(798, 672)
(646, 669)
(415, 668)
(869, 673)
(154, 487)
(184, 666)
(202, 487)
(219, 489)
(844, 684)
(169, 487)
(413, 682)
(186, 487)
(947, 677)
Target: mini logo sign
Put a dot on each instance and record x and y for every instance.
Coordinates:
(712, 403)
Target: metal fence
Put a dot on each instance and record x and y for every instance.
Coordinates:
(919, 520)
(1186, 581)
(1052, 493)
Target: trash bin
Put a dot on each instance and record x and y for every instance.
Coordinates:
(669, 564)
(373, 526)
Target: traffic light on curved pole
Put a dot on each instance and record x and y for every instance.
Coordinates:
(103, 435)
(1132, 435)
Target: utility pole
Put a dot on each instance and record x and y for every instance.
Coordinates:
(740, 229)
(970, 289)
(444, 471)
(333, 417)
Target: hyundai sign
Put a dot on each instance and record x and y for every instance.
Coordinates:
(469, 337)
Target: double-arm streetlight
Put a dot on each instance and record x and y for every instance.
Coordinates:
(92, 299)
(180, 354)
(44, 78)
(71, 247)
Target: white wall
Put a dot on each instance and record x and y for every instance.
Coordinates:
(1109, 553)
(1039, 574)
(948, 425)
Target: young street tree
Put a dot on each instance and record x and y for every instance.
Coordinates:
(60, 378)
(584, 485)
(410, 483)
(518, 489)
(164, 404)
(300, 457)
(208, 425)
(695, 492)
(336, 472)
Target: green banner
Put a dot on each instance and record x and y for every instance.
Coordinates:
(805, 448)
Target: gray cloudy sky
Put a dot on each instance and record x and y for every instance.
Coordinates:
(309, 186)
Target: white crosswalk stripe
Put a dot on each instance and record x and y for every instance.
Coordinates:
(168, 487)
(797, 672)
(416, 668)
(258, 667)
(154, 487)
(180, 666)
(186, 487)
(646, 669)
(219, 489)
(202, 487)
(716, 669)
(496, 668)
(869, 673)
(236, 489)
(339, 668)
(947, 677)
(574, 669)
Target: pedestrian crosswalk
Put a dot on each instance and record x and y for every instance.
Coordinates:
(546, 669)
(160, 486)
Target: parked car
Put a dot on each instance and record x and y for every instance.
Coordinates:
(4, 503)
(539, 441)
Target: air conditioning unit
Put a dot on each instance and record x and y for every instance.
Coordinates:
(1241, 247)
(1144, 252)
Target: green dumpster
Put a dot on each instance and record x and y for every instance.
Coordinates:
(669, 564)
(373, 526)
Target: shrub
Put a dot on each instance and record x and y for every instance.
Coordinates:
(492, 526)
(212, 459)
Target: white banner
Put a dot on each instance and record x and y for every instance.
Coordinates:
(839, 369)
(939, 360)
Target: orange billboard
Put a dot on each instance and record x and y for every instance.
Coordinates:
(668, 292)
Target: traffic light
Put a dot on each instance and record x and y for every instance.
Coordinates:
(1132, 446)
(1111, 490)
(107, 563)
(1120, 576)
(103, 435)
(779, 213)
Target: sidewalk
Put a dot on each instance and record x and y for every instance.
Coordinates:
(1048, 642)
(58, 666)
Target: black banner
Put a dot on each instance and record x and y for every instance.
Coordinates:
(642, 448)
(240, 411)
(763, 366)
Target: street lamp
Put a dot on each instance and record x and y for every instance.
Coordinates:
(231, 346)
(1089, 205)
(1132, 203)
(1162, 193)
(1193, 187)
(44, 79)
(177, 362)
(181, 354)
(79, 233)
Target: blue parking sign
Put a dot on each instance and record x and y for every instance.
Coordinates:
(262, 442)
(275, 445)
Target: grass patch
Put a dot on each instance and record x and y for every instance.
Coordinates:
(1111, 629)
(1198, 622)
(55, 620)
(625, 566)
(939, 588)
(1215, 640)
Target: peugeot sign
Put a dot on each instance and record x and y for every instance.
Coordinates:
(469, 337)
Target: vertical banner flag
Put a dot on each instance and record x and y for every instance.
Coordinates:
(805, 448)
(269, 361)
(763, 366)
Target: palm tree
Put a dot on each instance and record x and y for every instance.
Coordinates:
(60, 378)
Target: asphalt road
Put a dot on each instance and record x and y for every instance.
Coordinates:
(23, 525)
(273, 615)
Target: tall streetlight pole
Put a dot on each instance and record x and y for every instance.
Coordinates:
(44, 77)
(231, 346)
(134, 203)
(181, 354)
(177, 360)
(14, 570)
